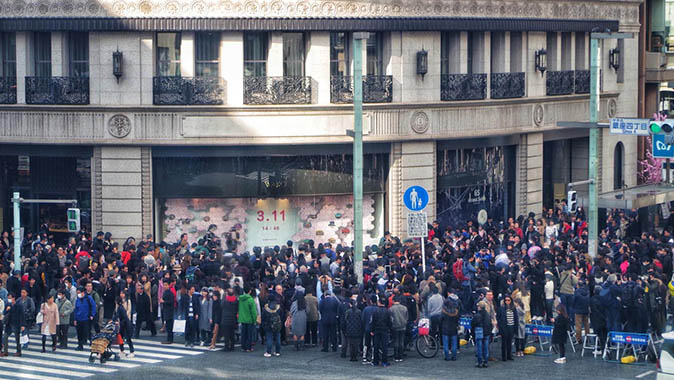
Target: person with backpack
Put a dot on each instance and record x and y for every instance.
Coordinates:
(271, 320)
(581, 308)
(85, 310)
(567, 285)
(399, 324)
(381, 327)
(598, 318)
(560, 332)
(353, 330)
(450, 326)
(656, 304)
(481, 327)
(14, 319)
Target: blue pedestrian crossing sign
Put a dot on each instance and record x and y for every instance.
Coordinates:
(415, 198)
(661, 149)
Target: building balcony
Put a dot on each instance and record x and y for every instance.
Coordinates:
(276, 90)
(463, 86)
(376, 89)
(57, 90)
(188, 91)
(582, 81)
(7, 90)
(559, 82)
(507, 85)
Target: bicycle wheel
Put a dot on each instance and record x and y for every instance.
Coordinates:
(427, 346)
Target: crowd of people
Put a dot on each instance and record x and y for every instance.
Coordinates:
(501, 276)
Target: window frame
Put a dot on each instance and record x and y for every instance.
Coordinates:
(334, 62)
(5, 49)
(170, 61)
(264, 40)
(40, 38)
(377, 64)
(212, 37)
(73, 62)
(299, 60)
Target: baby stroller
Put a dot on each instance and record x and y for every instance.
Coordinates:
(101, 343)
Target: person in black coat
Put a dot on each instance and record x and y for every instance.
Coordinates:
(560, 332)
(353, 329)
(598, 317)
(125, 330)
(228, 324)
(168, 301)
(14, 283)
(143, 311)
(190, 308)
(15, 323)
(329, 309)
(381, 326)
(508, 324)
(216, 317)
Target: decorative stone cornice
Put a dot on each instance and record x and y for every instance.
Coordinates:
(626, 11)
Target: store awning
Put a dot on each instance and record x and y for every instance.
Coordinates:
(637, 197)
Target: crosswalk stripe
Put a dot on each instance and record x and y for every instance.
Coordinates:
(31, 360)
(199, 348)
(163, 353)
(136, 359)
(20, 375)
(150, 345)
(51, 371)
(34, 351)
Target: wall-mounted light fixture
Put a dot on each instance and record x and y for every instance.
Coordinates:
(422, 62)
(614, 58)
(117, 68)
(541, 60)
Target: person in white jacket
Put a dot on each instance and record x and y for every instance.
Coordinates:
(551, 231)
(549, 296)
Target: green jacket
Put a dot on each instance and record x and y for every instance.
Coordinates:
(65, 308)
(247, 309)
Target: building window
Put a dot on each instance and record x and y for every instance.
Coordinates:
(475, 52)
(339, 54)
(293, 54)
(207, 54)
(78, 50)
(42, 54)
(375, 54)
(618, 158)
(516, 52)
(8, 55)
(255, 54)
(449, 53)
(168, 54)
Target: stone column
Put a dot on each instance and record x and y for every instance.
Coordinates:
(118, 191)
(231, 67)
(535, 81)
(318, 67)
(417, 167)
(147, 69)
(187, 54)
(24, 64)
(96, 68)
(487, 60)
(530, 174)
(275, 57)
(463, 53)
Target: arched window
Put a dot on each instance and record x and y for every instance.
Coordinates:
(618, 164)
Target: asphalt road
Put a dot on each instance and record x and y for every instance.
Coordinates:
(297, 365)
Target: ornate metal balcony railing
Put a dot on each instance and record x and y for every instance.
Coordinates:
(582, 82)
(376, 89)
(559, 82)
(188, 90)
(463, 86)
(7, 90)
(57, 90)
(507, 85)
(276, 90)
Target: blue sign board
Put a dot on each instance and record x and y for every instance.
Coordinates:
(539, 330)
(621, 126)
(415, 198)
(661, 149)
(629, 338)
(465, 322)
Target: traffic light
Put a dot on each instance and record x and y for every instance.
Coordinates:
(73, 219)
(572, 201)
(665, 127)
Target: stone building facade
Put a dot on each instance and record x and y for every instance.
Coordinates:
(235, 112)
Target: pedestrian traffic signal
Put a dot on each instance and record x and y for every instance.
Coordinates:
(73, 219)
(572, 200)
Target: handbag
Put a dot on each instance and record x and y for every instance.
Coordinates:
(179, 326)
(24, 340)
(39, 318)
(289, 322)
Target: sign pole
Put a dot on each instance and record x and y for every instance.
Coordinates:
(358, 154)
(594, 134)
(423, 258)
(17, 231)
